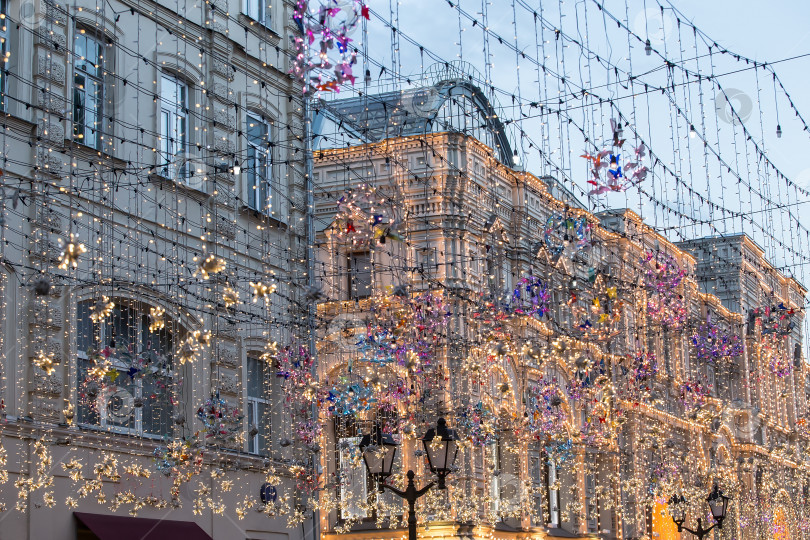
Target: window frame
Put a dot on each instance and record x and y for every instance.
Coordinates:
(495, 495)
(257, 10)
(98, 335)
(354, 293)
(82, 129)
(270, 204)
(553, 495)
(176, 113)
(252, 409)
(348, 431)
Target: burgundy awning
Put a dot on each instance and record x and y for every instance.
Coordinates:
(110, 527)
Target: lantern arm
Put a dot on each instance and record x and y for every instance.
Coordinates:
(410, 492)
(700, 532)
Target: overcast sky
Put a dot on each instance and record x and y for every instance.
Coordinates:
(690, 181)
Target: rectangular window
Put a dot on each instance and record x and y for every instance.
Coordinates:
(359, 275)
(494, 451)
(353, 478)
(258, 10)
(173, 127)
(259, 171)
(88, 88)
(553, 496)
(258, 383)
(590, 503)
(134, 395)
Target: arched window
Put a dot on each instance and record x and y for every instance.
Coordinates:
(124, 366)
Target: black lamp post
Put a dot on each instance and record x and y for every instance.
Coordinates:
(718, 503)
(379, 451)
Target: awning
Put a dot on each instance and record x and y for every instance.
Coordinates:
(110, 527)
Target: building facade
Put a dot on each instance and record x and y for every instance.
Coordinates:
(644, 369)
(153, 246)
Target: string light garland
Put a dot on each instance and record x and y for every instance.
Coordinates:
(146, 291)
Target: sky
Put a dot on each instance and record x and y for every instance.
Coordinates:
(766, 31)
(709, 182)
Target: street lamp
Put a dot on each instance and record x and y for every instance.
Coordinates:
(379, 451)
(441, 447)
(718, 503)
(677, 510)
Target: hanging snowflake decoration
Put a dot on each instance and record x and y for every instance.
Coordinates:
(645, 367)
(640, 370)
(477, 424)
(365, 218)
(46, 361)
(230, 296)
(156, 320)
(222, 422)
(774, 319)
(663, 277)
(295, 368)
(566, 235)
(694, 394)
(211, 264)
(323, 54)
(180, 458)
(531, 297)
(262, 291)
(69, 258)
(600, 320)
(607, 172)
(380, 346)
(546, 417)
(102, 309)
(187, 351)
(712, 344)
(348, 399)
(120, 367)
(773, 353)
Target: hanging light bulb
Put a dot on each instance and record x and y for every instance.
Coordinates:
(236, 168)
(778, 131)
(648, 48)
(516, 161)
(368, 76)
(692, 132)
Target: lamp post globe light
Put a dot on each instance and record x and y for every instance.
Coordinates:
(379, 451)
(718, 504)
